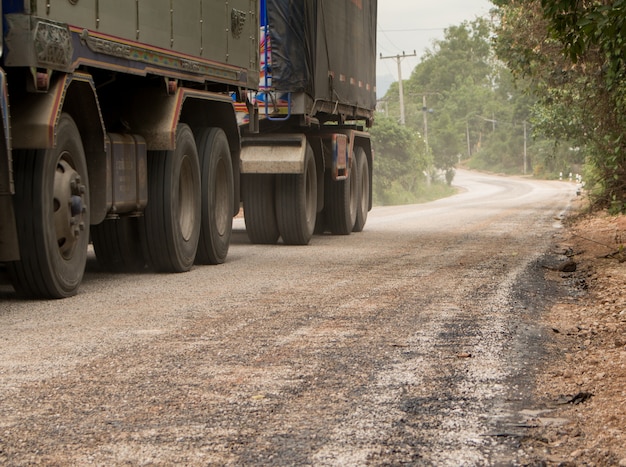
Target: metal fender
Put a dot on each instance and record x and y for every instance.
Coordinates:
(34, 119)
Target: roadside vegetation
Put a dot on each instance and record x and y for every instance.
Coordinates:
(405, 172)
(537, 89)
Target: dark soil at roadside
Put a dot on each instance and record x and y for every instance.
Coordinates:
(582, 392)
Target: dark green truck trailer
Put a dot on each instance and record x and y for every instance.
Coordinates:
(120, 128)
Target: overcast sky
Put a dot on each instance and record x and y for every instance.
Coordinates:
(408, 25)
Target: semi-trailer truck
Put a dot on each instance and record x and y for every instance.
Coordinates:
(122, 127)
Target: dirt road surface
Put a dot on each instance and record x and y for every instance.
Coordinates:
(414, 342)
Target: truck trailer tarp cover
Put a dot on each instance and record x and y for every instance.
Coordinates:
(325, 48)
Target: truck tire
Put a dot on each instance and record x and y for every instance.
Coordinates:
(320, 223)
(171, 226)
(52, 216)
(363, 180)
(296, 203)
(117, 245)
(259, 208)
(217, 196)
(340, 201)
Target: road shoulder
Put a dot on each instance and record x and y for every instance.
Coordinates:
(583, 387)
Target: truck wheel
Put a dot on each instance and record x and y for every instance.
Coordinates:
(259, 208)
(296, 203)
(52, 216)
(117, 245)
(340, 201)
(171, 226)
(363, 181)
(217, 196)
(320, 223)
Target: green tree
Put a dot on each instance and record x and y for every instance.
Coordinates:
(399, 164)
(467, 104)
(571, 56)
(450, 75)
(472, 106)
(464, 54)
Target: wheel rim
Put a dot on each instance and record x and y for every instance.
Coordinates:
(186, 200)
(68, 206)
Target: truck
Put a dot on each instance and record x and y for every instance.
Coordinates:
(142, 127)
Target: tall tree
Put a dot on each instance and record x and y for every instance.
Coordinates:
(572, 56)
(467, 104)
(400, 162)
(461, 99)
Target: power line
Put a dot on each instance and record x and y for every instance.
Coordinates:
(385, 31)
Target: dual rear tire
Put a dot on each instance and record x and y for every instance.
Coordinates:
(283, 205)
(363, 183)
(188, 217)
(346, 202)
(52, 213)
(171, 227)
(217, 196)
(189, 214)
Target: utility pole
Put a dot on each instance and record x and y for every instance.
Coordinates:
(469, 147)
(525, 156)
(398, 58)
(382, 105)
(425, 112)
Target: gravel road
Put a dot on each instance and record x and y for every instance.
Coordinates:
(414, 342)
